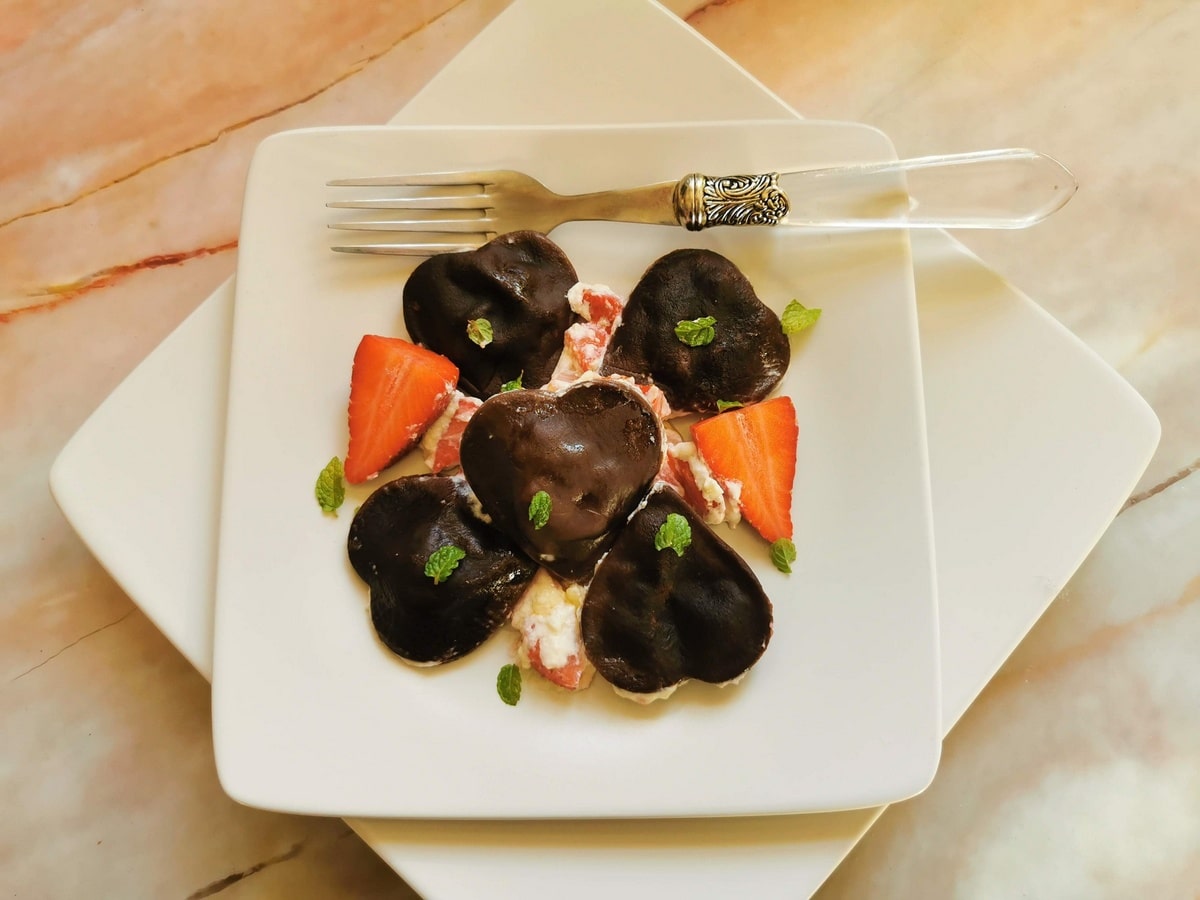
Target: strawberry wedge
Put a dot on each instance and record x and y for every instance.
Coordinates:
(756, 446)
(397, 390)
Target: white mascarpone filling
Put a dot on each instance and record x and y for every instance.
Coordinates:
(547, 617)
(577, 302)
(710, 489)
(433, 437)
(646, 699)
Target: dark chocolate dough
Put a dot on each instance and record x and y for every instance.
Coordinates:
(652, 618)
(746, 359)
(595, 449)
(519, 283)
(391, 538)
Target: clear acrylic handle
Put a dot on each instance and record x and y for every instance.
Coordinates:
(1012, 188)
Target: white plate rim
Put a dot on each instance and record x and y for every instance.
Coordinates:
(904, 768)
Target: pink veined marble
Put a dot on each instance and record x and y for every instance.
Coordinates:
(125, 135)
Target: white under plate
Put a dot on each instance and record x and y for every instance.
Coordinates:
(312, 714)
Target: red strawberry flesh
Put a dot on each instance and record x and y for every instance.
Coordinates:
(755, 445)
(569, 675)
(397, 390)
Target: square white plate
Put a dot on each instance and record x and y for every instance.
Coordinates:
(312, 715)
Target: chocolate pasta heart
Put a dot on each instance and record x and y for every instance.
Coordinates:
(655, 617)
(742, 357)
(560, 473)
(418, 617)
(517, 284)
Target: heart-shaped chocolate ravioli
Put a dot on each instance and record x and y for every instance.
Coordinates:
(652, 618)
(392, 538)
(746, 357)
(518, 283)
(593, 451)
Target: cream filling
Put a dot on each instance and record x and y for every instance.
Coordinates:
(710, 489)
(578, 304)
(433, 437)
(646, 699)
(547, 617)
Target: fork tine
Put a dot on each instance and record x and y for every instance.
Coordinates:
(478, 201)
(423, 249)
(477, 226)
(429, 179)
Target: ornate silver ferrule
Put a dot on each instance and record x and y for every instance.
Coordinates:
(701, 202)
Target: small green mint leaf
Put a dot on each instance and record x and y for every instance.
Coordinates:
(783, 554)
(797, 317)
(539, 510)
(674, 533)
(331, 490)
(696, 332)
(514, 385)
(508, 684)
(723, 405)
(480, 331)
(442, 562)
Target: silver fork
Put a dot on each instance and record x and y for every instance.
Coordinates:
(1012, 188)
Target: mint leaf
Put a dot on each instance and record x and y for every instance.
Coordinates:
(508, 684)
(514, 385)
(696, 332)
(723, 405)
(539, 510)
(674, 533)
(442, 562)
(797, 317)
(783, 554)
(330, 490)
(480, 331)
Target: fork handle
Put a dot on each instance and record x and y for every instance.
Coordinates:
(650, 204)
(1012, 188)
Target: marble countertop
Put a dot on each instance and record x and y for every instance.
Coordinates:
(126, 135)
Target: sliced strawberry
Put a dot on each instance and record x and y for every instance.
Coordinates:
(397, 390)
(755, 445)
(596, 303)
(707, 494)
(442, 441)
(667, 473)
(570, 675)
(684, 479)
